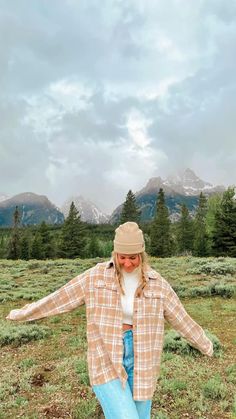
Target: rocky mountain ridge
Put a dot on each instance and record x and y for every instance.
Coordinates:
(185, 187)
(89, 212)
(186, 183)
(33, 210)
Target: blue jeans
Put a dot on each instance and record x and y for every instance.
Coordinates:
(116, 402)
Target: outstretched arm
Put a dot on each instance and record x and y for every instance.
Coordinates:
(65, 299)
(177, 316)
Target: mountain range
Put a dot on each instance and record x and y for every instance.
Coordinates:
(182, 188)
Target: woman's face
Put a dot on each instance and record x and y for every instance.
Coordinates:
(128, 262)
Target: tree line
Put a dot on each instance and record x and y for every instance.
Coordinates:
(73, 239)
(212, 231)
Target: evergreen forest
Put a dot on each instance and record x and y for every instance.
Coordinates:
(211, 232)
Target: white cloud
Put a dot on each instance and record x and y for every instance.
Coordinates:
(70, 96)
(45, 110)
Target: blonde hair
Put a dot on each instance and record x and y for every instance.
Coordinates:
(143, 269)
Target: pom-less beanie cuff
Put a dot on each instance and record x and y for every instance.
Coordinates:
(129, 249)
(129, 239)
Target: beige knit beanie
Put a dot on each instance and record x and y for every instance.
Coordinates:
(129, 239)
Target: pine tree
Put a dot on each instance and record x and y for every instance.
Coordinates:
(94, 249)
(185, 231)
(14, 243)
(213, 205)
(2, 247)
(201, 244)
(37, 251)
(224, 233)
(73, 235)
(160, 240)
(47, 244)
(107, 248)
(130, 211)
(25, 248)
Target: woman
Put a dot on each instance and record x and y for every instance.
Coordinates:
(126, 305)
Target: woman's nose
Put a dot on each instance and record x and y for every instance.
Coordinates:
(127, 263)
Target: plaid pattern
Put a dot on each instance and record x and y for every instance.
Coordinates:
(99, 290)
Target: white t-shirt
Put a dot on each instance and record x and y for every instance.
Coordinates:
(131, 282)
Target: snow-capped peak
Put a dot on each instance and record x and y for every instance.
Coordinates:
(88, 211)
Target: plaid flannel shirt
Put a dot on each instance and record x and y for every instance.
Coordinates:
(99, 289)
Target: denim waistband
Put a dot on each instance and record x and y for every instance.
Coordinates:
(128, 332)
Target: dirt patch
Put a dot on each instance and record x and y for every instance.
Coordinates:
(54, 411)
(38, 380)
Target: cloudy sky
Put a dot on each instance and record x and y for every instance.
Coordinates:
(97, 96)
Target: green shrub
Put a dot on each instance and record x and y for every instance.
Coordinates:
(30, 295)
(20, 401)
(20, 334)
(231, 373)
(66, 328)
(215, 389)
(173, 342)
(4, 297)
(8, 285)
(55, 319)
(217, 346)
(181, 290)
(173, 385)
(33, 265)
(201, 291)
(234, 407)
(224, 290)
(216, 267)
(27, 363)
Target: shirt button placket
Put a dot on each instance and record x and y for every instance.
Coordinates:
(135, 345)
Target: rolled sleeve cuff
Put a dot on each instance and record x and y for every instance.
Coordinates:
(14, 315)
(210, 350)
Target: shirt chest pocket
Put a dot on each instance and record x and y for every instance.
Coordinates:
(152, 303)
(106, 295)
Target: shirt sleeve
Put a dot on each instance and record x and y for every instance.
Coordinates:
(65, 299)
(177, 316)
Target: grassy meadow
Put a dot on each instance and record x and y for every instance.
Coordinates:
(43, 366)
